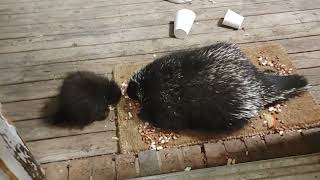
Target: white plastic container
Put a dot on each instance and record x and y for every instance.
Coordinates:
(183, 22)
(232, 19)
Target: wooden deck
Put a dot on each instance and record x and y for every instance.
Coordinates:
(293, 168)
(40, 41)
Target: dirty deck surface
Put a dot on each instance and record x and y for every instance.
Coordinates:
(293, 168)
(40, 41)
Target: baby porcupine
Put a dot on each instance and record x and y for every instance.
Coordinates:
(210, 88)
(84, 97)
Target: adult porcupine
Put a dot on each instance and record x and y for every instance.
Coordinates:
(214, 87)
(84, 97)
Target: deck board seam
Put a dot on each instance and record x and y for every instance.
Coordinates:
(154, 52)
(150, 39)
(70, 135)
(144, 14)
(76, 8)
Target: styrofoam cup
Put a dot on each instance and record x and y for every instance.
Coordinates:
(232, 19)
(183, 22)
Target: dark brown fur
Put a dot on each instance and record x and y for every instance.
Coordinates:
(84, 97)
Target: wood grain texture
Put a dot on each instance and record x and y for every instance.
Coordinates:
(27, 91)
(71, 147)
(59, 70)
(312, 74)
(160, 7)
(63, 2)
(41, 41)
(23, 110)
(119, 49)
(150, 32)
(27, 7)
(39, 129)
(306, 60)
(111, 25)
(315, 92)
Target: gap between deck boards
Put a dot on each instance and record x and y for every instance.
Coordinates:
(134, 21)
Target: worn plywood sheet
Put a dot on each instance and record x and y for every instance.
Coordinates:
(300, 112)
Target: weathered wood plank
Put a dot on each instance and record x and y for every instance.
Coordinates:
(24, 7)
(310, 176)
(39, 129)
(25, 109)
(315, 92)
(57, 71)
(268, 169)
(74, 146)
(36, 2)
(297, 45)
(312, 74)
(28, 91)
(306, 60)
(160, 45)
(150, 32)
(124, 10)
(109, 25)
(17, 1)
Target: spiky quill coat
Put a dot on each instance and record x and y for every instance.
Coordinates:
(210, 88)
